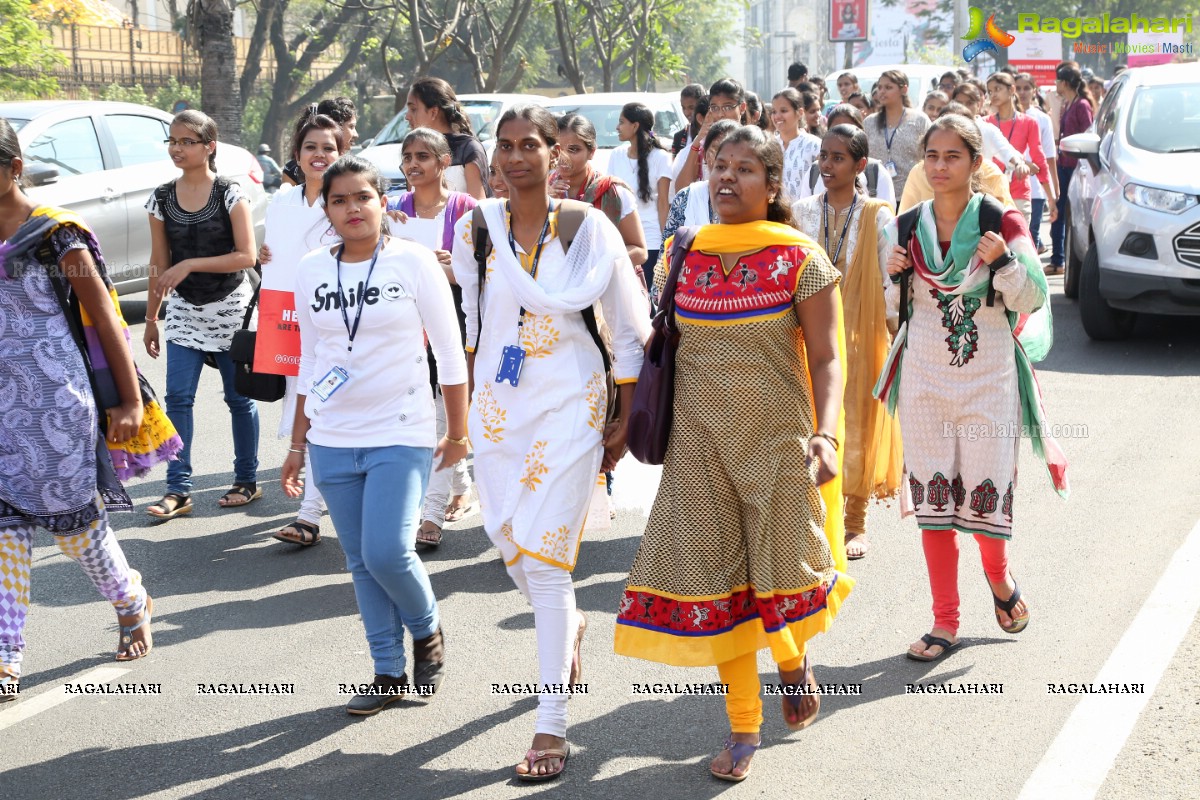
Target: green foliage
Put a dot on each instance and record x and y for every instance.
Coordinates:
(166, 96)
(25, 46)
(125, 94)
(700, 31)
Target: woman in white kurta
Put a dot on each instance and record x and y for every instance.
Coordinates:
(541, 443)
(296, 224)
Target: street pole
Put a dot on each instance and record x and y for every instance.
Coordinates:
(959, 27)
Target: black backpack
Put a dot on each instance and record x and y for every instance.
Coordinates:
(990, 213)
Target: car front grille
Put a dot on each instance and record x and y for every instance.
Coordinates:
(1187, 246)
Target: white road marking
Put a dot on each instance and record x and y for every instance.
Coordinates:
(25, 709)
(1084, 751)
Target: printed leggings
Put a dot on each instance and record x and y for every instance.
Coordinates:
(95, 549)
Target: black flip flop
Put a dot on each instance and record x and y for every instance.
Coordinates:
(1007, 607)
(930, 640)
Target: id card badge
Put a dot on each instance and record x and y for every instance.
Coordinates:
(511, 360)
(890, 166)
(334, 379)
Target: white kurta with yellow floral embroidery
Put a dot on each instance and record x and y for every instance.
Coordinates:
(538, 444)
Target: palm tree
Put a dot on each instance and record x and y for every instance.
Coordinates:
(211, 30)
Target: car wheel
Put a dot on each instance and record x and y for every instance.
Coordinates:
(1100, 320)
(1073, 265)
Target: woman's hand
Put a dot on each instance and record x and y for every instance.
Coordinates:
(559, 186)
(443, 257)
(398, 216)
(821, 451)
(289, 476)
(174, 276)
(991, 247)
(124, 421)
(150, 339)
(1053, 209)
(898, 261)
(449, 452)
(264, 255)
(616, 436)
(1020, 169)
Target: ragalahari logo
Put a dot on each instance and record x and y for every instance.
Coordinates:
(983, 36)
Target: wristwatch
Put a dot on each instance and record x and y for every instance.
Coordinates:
(1003, 261)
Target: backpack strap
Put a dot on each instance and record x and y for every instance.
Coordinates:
(872, 178)
(906, 223)
(990, 215)
(483, 246)
(571, 214)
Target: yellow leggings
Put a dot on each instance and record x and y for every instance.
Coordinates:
(743, 703)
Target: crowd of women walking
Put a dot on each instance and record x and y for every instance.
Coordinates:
(821, 346)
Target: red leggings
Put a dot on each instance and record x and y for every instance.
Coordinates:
(941, 556)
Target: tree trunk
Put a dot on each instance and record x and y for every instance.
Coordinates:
(220, 91)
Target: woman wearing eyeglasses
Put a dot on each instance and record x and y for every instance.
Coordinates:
(202, 241)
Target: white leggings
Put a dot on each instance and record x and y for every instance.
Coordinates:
(454, 480)
(313, 505)
(550, 591)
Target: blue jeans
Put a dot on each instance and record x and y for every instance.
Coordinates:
(1036, 207)
(184, 366)
(374, 495)
(1058, 228)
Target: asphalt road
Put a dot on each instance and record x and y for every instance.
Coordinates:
(233, 606)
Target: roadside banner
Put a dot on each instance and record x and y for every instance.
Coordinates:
(1038, 54)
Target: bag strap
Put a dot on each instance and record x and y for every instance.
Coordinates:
(571, 214)
(990, 215)
(906, 223)
(75, 324)
(679, 250)
(250, 308)
(813, 172)
(872, 178)
(483, 246)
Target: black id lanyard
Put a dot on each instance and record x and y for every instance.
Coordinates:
(537, 254)
(352, 331)
(825, 224)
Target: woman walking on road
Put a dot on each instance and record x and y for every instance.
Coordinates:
(202, 241)
(849, 225)
(296, 224)
(964, 355)
(366, 415)
(646, 168)
(800, 147)
(895, 129)
(1078, 110)
(538, 419)
(425, 157)
(62, 452)
(740, 553)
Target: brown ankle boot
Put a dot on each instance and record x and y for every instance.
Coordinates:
(430, 667)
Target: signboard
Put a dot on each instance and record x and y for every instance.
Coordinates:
(848, 20)
(1151, 47)
(901, 33)
(1038, 54)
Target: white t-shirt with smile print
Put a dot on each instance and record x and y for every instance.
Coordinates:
(387, 399)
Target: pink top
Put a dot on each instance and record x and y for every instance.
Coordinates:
(1023, 134)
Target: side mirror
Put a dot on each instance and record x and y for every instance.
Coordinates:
(39, 173)
(1084, 145)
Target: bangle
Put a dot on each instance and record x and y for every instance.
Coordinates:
(697, 148)
(299, 450)
(151, 319)
(459, 442)
(830, 438)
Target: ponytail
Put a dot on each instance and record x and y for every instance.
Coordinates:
(644, 142)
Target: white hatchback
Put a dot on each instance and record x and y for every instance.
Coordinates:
(102, 160)
(1133, 220)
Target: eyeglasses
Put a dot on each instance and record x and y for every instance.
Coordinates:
(728, 109)
(182, 142)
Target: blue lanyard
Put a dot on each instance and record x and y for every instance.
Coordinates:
(887, 140)
(351, 332)
(825, 224)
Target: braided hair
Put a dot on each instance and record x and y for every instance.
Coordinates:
(643, 142)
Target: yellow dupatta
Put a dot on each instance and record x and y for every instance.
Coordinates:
(753, 236)
(874, 460)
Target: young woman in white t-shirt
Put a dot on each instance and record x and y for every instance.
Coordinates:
(646, 168)
(366, 415)
(296, 224)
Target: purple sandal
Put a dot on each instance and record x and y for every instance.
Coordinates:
(738, 750)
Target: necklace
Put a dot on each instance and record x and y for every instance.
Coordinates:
(825, 225)
(441, 203)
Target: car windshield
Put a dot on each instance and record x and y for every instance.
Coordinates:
(17, 124)
(604, 119)
(1165, 119)
(482, 113)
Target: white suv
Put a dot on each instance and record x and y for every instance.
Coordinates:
(1133, 221)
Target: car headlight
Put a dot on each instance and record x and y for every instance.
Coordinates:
(1159, 199)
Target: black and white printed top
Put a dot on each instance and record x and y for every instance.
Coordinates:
(206, 308)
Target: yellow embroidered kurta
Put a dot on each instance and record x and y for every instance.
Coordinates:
(742, 551)
(538, 444)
